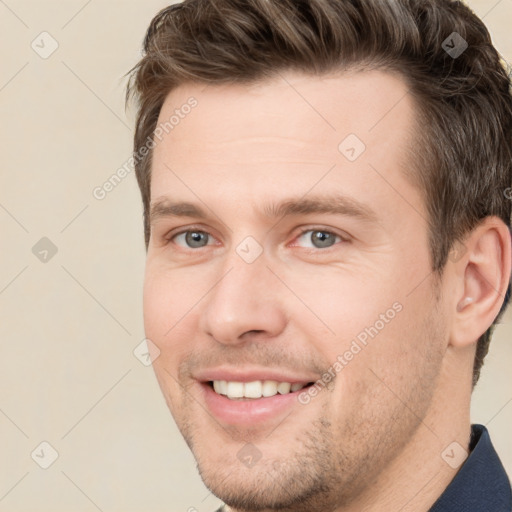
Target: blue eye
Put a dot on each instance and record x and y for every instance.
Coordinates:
(315, 237)
(320, 238)
(194, 238)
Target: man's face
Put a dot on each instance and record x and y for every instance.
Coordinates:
(247, 296)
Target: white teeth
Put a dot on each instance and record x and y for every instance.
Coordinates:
(283, 388)
(235, 390)
(220, 387)
(255, 389)
(269, 388)
(223, 387)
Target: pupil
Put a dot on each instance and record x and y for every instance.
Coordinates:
(323, 237)
(194, 237)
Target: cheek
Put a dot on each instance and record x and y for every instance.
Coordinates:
(369, 324)
(163, 309)
(168, 295)
(168, 312)
(398, 364)
(407, 343)
(343, 307)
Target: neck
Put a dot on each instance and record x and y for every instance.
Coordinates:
(421, 473)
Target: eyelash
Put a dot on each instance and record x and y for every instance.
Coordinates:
(171, 236)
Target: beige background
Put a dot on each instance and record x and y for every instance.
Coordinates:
(68, 375)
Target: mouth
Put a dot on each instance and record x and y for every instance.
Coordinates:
(253, 403)
(256, 389)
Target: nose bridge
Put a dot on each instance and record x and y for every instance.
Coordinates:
(244, 299)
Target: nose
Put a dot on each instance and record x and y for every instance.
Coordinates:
(247, 300)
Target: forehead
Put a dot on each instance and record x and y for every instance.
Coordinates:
(328, 103)
(287, 132)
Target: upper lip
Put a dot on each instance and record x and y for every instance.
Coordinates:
(252, 374)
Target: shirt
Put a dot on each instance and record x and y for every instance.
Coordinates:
(481, 484)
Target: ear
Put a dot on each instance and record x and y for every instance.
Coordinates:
(481, 277)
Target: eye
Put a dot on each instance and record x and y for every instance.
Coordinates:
(319, 238)
(194, 238)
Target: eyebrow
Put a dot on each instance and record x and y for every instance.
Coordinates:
(319, 204)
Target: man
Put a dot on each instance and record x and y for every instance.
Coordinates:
(328, 247)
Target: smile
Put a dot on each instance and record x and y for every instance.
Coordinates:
(255, 389)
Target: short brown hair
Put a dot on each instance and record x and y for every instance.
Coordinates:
(464, 101)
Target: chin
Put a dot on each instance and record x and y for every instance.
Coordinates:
(291, 472)
(257, 489)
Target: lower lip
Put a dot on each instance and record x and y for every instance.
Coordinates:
(250, 411)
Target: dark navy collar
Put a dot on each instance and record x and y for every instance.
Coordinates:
(481, 485)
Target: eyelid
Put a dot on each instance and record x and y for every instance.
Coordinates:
(171, 234)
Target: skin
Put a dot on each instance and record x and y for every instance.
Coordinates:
(374, 440)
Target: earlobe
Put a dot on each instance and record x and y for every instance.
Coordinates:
(483, 275)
